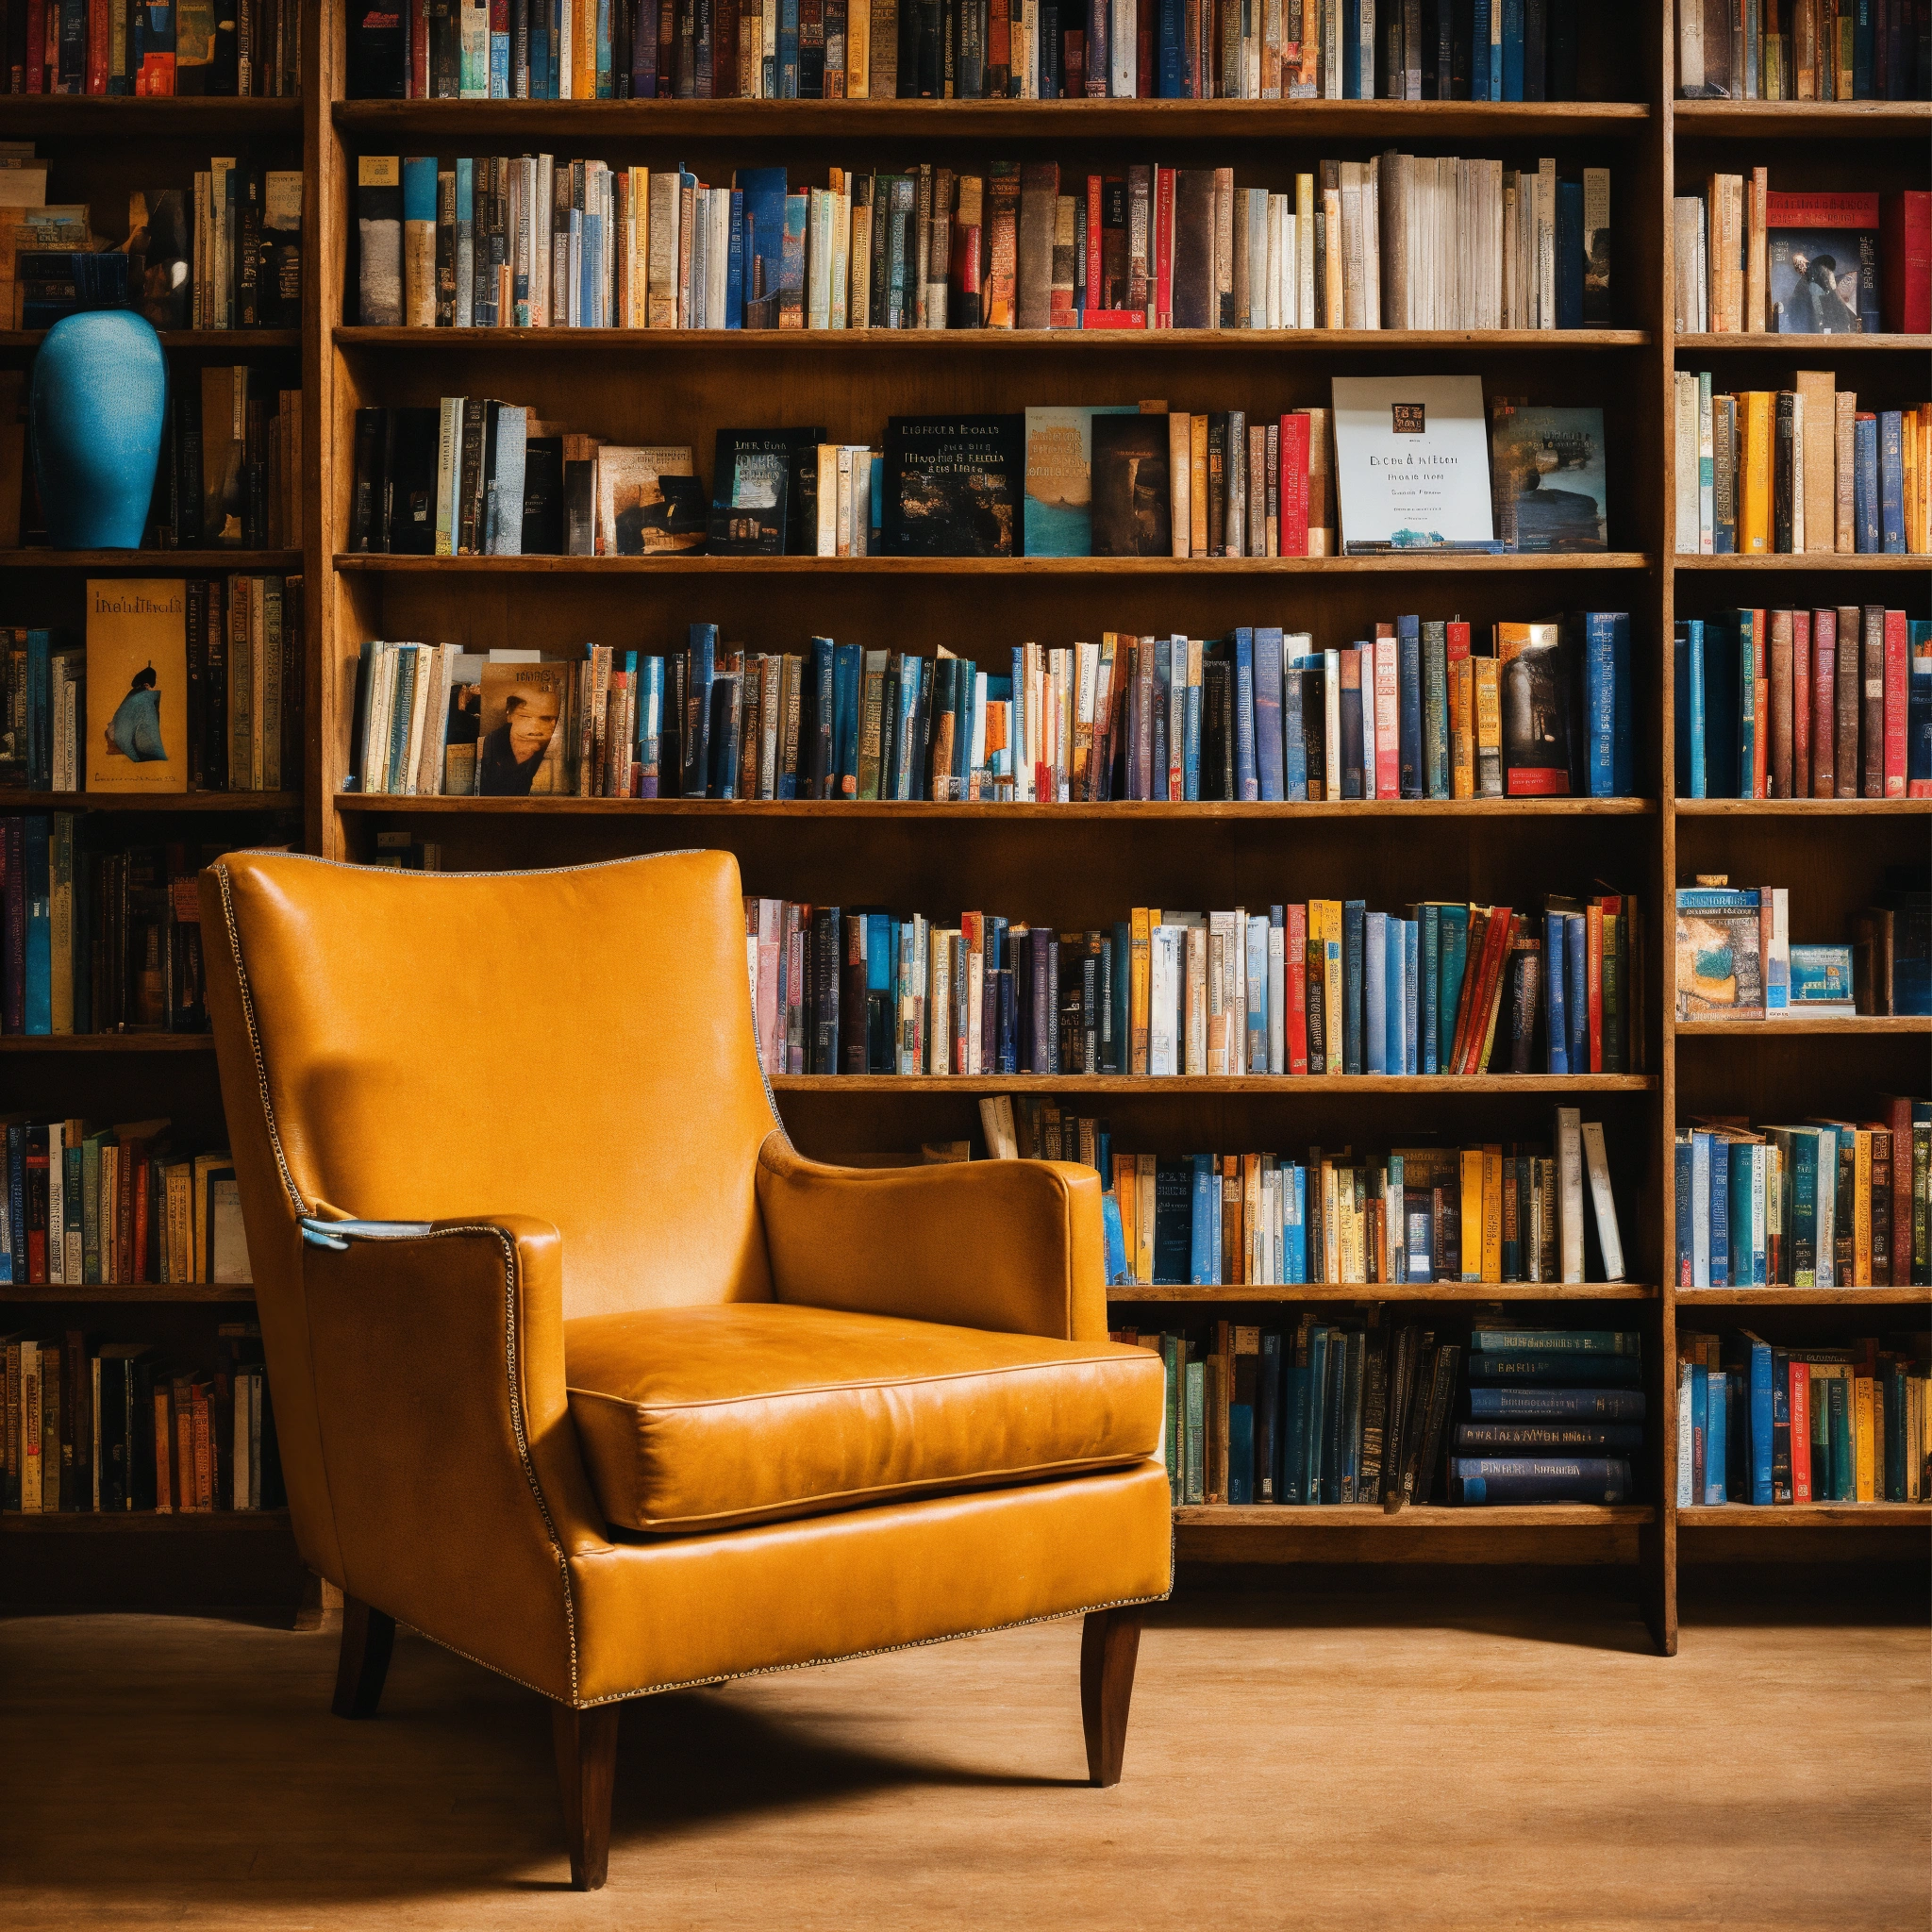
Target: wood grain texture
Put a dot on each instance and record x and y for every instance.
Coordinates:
(1109, 1643)
(1101, 568)
(1302, 1740)
(586, 1746)
(734, 345)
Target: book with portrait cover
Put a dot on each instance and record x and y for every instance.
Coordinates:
(1133, 508)
(1534, 675)
(1549, 476)
(1822, 263)
(647, 501)
(764, 491)
(1060, 480)
(1411, 464)
(952, 486)
(523, 730)
(136, 684)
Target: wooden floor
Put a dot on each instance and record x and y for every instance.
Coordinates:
(1393, 1761)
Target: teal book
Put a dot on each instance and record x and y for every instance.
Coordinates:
(1315, 1417)
(1430, 991)
(1436, 775)
(1059, 505)
(1454, 952)
(1565, 1342)
(1241, 1453)
(1524, 1365)
(1205, 1271)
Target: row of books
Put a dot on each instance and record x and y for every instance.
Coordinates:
(1260, 715)
(1478, 1214)
(182, 685)
(1826, 263)
(1397, 242)
(1335, 1411)
(1798, 471)
(1769, 1425)
(1824, 1203)
(962, 49)
(97, 939)
(231, 469)
(86, 1204)
(475, 476)
(95, 1428)
(1328, 987)
(1804, 704)
(245, 47)
(1802, 50)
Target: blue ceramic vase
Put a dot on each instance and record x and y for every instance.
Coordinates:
(100, 396)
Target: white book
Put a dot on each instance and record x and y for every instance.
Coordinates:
(1163, 979)
(1569, 1192)
(996, 1122)
(1685, 1433)
(1598, 1161)
(1700, 1211)
(1277, 1001)
(1827, 1209)
(1411, 460)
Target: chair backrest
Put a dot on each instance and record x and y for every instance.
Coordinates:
(575, 1046)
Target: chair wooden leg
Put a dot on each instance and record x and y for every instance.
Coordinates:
(364, 1661)
(586, 1767)
(1109, 1646)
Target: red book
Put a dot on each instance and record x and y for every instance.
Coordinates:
(144, 1170)
(1905, 262)
(1801, 704)
(1294, 949)
(1778, 699)
(37, 46)
(97, 46)
(1760, 757)
(1495, 949)
(1801, 1432)
(1095, 185)
(1163, 248)
(1897, 1115)
(1593, 979)
(164, 1488)
(1898, 684)
(1113, 318)
(1143, 49)
(1824, 701)
(1459, 642)
(1293, 514)
(419, 50)
(1073, 62)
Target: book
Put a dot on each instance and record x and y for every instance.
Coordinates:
(525, 708)
(647, 501)
(750, 495)
(1411, 462)
(1550, 476)
(1824, 268)
(1131, 487)
(1058, 510)
(136, 684)
(953, 486)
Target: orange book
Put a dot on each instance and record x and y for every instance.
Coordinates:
(1593, 979)
(164, 1488)
(1754, 473)
(1482, 1013)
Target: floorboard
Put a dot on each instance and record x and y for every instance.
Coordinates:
(1384, 1760)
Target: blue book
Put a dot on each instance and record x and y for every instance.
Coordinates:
(1352, 54)
(1255, 1019)
(1294, 753)
(39, 978)
(1191, 746)
(1683, 1170)
(1411, 961)
(695, 734)
(1408, 646)
(1744, 696)
(1455, 949)
(1578, 965)
(539, 58)
(1321, 1476)
(40, 710)
(1720, 1213)
(499, 67)
(1919, 706)
(848, 671)
(763, 243)
(1891, 482)
(1247, 784)
(1115, 1238)
(1546, 1478)
(1541, 1365)
(1697, 781)
(1716, 1427)
(1569, 253)
(1864, 51)
(1267, 695)
(1512, 70)
(1555, 946)
(1479, 50)
(419, 189)
(1163, 649)
(1739, 1161)
(1719, 709)
(1241, 1453)
(1430, 988)
(1375, 991)
(1600, 703)
(1170, 28)
(1762, 1417)
(1865, 482)
(1506, 1402)
(1395, 996)
(1205, 1256)
(787, 57)
(1354, 912)
(1294, 1233)
(734, 264)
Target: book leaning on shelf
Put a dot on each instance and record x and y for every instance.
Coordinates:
(235, 47)
(1762, 1423)
(95, 1428)
(964, 49)
(1408, 714)
(1821, 1203)
(1396, 242)
(1806, 50)
(1804, 704)
(1325, 988)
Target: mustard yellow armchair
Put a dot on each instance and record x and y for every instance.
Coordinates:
(581, 1371)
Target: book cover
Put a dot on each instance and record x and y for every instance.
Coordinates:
(136, 684)
(647, 501)
(750, 494)
(1132, 501)
(1824, 267)
(1550, 476)
(952, 486)
(1535, 680)
(521, 742)
(1060, 479)
(1720, 954)
(1413, 467)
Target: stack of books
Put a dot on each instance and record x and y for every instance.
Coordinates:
(1582, 1387)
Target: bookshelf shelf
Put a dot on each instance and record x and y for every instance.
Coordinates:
(103, 1293)
(189, 341)
(145, 1522)
(152, 562)
(1799, 347)
(1761, 1030)
(1412, 564)
(1391, 1291)
(1802, 807)
(1806, 1516)
(1135, 811)
(860, 1086)
(107, 1042)
(1875, 563)
(919, 344)
(1803, 1297)
(363, 124)
(1801, 119)
(1427, 1516)
(151, 801)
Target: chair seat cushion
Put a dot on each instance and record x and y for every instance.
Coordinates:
(702, 1418)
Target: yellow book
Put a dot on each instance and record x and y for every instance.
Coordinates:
(1488, 728)
(1331, 1225)
(1141, 944)
(1861, 1207)
(1143, 1216)
(1492, 1213)
(1331, 980)
(1754, 474)
(136, 684)
(1197, 497)
(1255, 1237)
(1863, 1450)
(1462, 728)
(1472, 1258)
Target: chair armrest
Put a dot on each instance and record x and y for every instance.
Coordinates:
(1012, 1245)
(452, 1472)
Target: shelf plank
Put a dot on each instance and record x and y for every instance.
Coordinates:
(150, 801)
(922, 344)
(107, 1042)
(1869, 562)
(950, 812)
(1798, 346)
(119, 1291)
(1758, 1030)
(236, 341)
(1409, 563)
(928, 121)
(1783, 1298)
(1806, 1516)
(1282, 1086)
(1125, 1293)
(1801, 808)
(1802, 119)
(136, 1522)
(162, 564)
(1417, 1516)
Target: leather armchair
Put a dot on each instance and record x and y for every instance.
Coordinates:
(583, 1371)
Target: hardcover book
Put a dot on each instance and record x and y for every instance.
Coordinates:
(751, 493)
(136, 684)
(1720, 954)
(1822, 263)
(1549, 476)
(952, 486)
(647, 503)
(521, 730)
(1132, 512)
(1534, 676)
(1060, 479)
(1412, 463)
